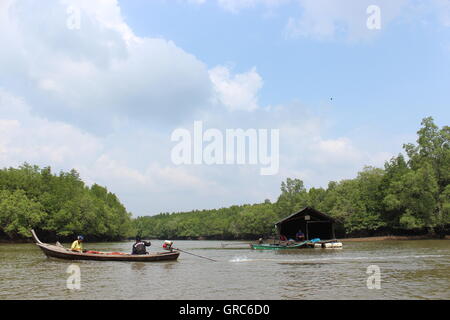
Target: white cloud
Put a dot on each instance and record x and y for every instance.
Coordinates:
(239, 91)
(443, 9)
(133, 163)
(329, 19)
(237, 5)
(100, 70)
(309, 150)
(27, 138)
(196, 1)
(341, 19)
(61, 84)
(333, 150)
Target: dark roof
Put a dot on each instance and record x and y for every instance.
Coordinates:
(306, 211)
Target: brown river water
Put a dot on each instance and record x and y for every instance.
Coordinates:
(397, 270)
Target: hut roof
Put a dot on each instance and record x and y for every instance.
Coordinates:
(307, 211)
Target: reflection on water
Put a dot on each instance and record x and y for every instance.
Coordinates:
(136, 266)
(409, 270)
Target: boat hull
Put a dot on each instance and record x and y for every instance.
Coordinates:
(57, 253)
(277, 246)
(315, 243)
(62, 253)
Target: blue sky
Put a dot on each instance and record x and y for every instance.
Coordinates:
(401, 68)
(105, 96)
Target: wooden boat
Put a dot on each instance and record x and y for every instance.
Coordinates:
(58, 251)
(314, 243)
(275, 246)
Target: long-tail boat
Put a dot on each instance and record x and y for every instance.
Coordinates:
(327, 244)
(58, 251)
(277, 246)
(314, 243)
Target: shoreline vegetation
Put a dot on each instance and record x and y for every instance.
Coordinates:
(360, 239)
(394, 238)
(409, 198)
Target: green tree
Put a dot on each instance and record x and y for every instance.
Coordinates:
(18, 214)
(60, 204)
(293, 197)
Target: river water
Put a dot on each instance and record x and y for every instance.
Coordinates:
(407, 270)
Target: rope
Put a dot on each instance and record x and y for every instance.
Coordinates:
(195, 255)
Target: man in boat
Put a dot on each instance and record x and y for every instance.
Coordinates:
(300, 236)
(139, 246)
(77, 245)
(283, 240)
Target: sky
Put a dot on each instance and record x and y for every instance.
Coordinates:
(101, 86)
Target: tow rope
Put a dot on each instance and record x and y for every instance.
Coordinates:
(168, 246)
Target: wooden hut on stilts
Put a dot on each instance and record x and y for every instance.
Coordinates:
(313, 223)
(317, 227)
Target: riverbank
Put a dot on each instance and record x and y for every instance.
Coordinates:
(384, 238)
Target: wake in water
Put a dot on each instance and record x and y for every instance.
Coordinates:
(239, 259)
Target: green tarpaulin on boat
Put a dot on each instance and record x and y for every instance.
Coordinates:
(280, 246)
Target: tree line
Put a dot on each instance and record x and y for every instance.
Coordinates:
(58, 205)
(410, 194)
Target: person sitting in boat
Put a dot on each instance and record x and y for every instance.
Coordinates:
(300, 236)
(77, 245)
(139, 246)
